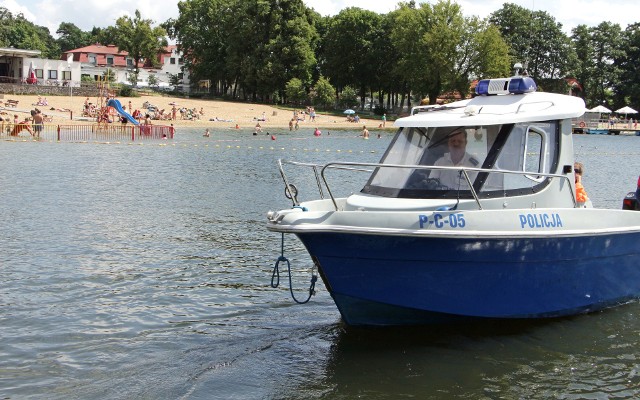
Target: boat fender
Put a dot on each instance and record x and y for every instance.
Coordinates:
(473, 161)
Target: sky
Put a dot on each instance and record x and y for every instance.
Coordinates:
(102, 13)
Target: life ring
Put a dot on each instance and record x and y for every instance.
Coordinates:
(582, 124)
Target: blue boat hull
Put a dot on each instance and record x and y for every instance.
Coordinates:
(410, 280)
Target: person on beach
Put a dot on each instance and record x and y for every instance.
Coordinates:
(20, 126)
(207, 133)
(581, 194)
(38, 122)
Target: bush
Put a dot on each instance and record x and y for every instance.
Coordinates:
(127, 91)
(379, 110)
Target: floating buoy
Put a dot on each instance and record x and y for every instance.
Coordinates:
(273, 137)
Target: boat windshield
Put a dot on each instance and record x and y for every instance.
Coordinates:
(446, 151)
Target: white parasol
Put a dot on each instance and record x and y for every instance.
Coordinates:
(626, 110)
(599, 109)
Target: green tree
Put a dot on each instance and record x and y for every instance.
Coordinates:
(583, 70)
(104, 36)
(202, 32)
(132, 78)
(139, 38)
(537, 41)
(295, 91)
(481, 53)
(325, 93)
(152, 80)
(109, 75)
(271, 43)
(607, 45)
(348, 97)
(175, 81)
(18, 32)
(628, 86)
(349, 49)
(71, 37)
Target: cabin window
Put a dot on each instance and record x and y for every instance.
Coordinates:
(430, 147)
(53, 74)
(66, 75)
(529, 148)
(39, 73)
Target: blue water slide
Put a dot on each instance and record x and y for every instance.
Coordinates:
(116, 104)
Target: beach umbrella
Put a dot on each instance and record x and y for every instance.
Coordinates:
(600, 109)
(626, 110)
(349, 111)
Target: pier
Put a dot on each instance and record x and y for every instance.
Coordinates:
(605, 127)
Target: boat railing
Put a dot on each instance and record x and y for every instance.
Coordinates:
(291, 190)
(321, 179)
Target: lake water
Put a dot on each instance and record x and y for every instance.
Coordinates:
(143, 271)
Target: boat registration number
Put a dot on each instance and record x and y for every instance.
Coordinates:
(440, 221)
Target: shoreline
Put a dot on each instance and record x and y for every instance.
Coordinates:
(215, 114)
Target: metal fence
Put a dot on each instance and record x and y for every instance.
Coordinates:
(88, 133)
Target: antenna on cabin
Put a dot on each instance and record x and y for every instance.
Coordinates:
(516, 69)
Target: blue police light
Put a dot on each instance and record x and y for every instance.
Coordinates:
(515, 85)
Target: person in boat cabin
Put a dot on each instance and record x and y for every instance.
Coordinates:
(456, 157)
(581, 194)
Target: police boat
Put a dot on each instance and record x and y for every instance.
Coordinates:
(470, 214)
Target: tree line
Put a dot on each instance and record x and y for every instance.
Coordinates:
(282, 51)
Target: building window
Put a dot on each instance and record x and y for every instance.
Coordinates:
(172, 60)
(109, 60)
(39, 73)
(129, 62)
(53, 74)
(180, 60)
(66, 75)
(180, 75)
(92, 58)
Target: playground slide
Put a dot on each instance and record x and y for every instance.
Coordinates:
(116, 104)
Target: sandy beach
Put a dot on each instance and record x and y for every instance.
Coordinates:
(215, 113)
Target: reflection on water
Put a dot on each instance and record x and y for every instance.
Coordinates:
(135, 271)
